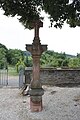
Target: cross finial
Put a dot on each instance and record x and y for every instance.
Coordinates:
(36, 25)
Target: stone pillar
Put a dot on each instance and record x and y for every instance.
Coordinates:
(36, 49)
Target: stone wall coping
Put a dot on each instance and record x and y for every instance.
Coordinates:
(56, 69)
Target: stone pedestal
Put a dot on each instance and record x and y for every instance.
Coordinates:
(36, 99)
(36, 50)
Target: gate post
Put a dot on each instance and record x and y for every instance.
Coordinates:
(21, 78)
(0, 77)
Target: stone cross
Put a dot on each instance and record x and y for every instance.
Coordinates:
(36, 50)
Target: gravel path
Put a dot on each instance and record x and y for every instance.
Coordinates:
(58, 104)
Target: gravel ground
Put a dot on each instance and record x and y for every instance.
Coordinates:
(58, 104)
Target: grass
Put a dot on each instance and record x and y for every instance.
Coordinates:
(12, 71)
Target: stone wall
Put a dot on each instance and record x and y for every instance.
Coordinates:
(50, 76)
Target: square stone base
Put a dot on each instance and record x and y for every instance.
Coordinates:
(36, 106)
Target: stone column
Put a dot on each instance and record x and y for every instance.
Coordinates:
(36, 88)
(36, 49)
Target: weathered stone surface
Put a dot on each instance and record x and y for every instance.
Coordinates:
(36, 103)
(55, 76)
(36, 99)
(36, 84)
(36, 92)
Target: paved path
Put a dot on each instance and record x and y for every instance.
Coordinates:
(13, 81)
(58, 104)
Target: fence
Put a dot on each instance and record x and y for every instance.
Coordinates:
(12, 81)
(3, 77)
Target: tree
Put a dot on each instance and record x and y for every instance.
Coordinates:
(3, 46)
(29, 10)
(3, 61)
(3, 56)
(53, 59)
(74, 63)
(28, 61)
(14, 55)
(20, 65)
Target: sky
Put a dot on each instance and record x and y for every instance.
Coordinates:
(13, 35)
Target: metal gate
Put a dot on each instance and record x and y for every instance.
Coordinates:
(12, 81)
(3, 77)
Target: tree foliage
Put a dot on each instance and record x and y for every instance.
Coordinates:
(30, 10)
(3, 46)
(20, 59)
(27, 10)
(28, 61)
(63, 10)
(54, 59)
(74, 63)
(3, 56)
(14, 55)
(20, 65)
